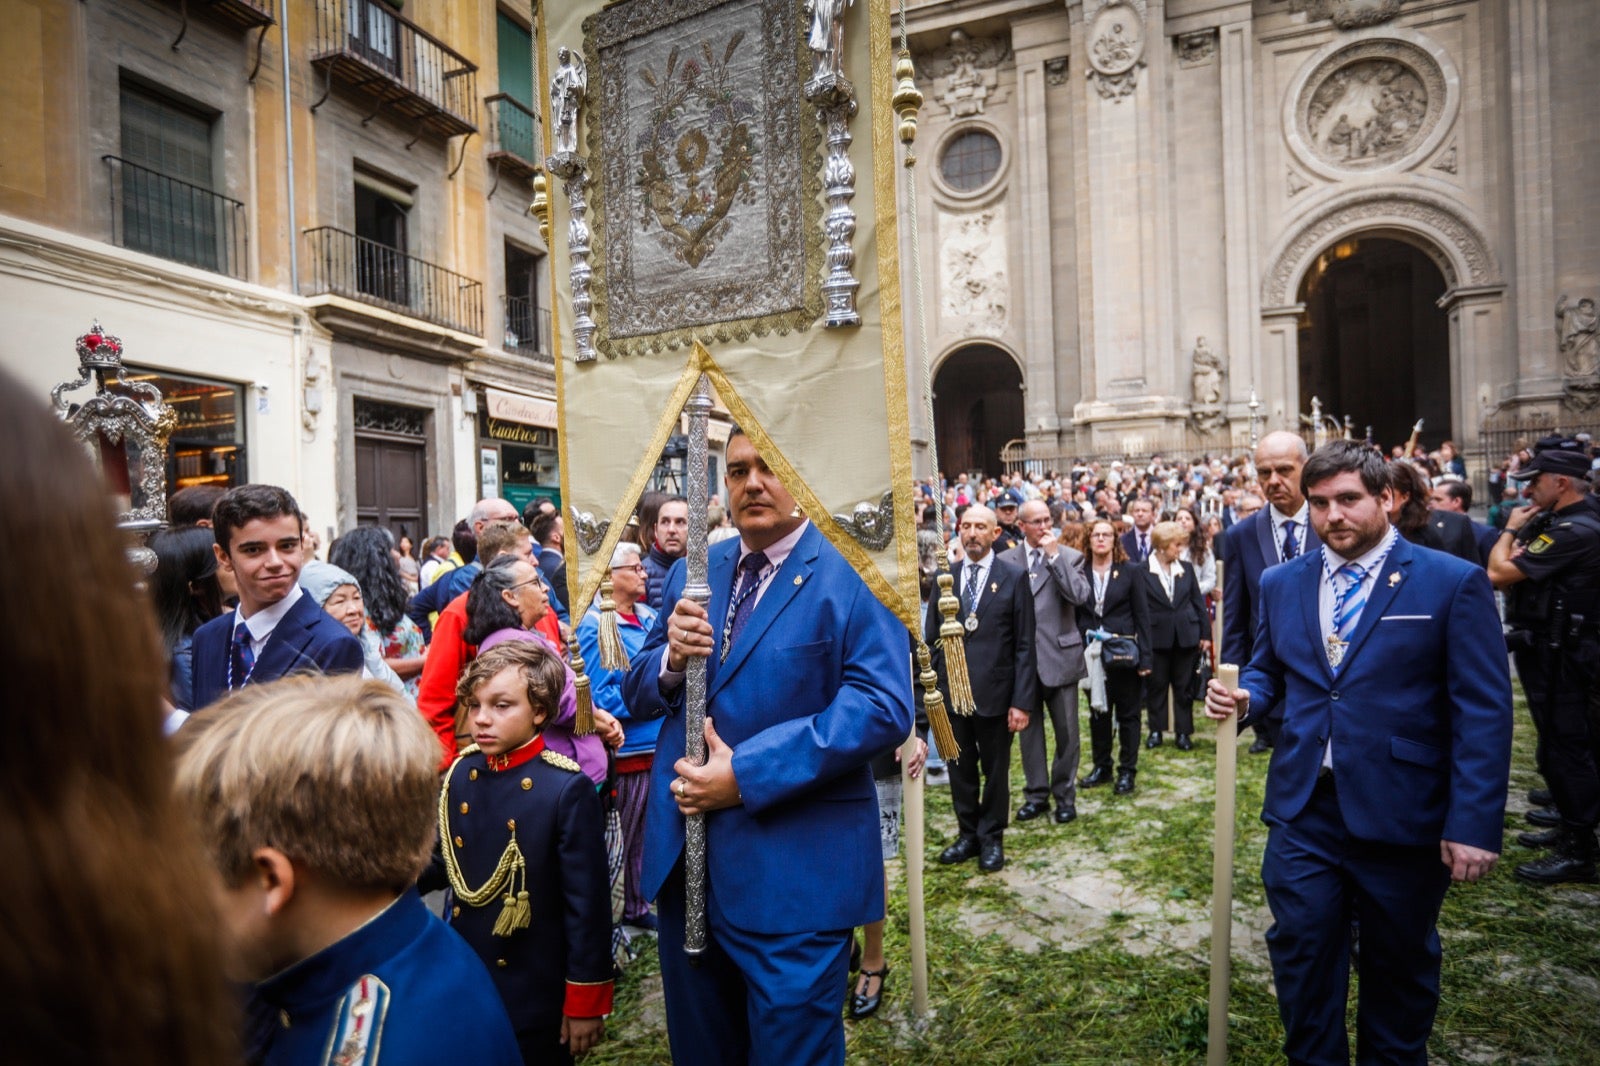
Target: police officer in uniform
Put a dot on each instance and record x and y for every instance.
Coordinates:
(1548, 561)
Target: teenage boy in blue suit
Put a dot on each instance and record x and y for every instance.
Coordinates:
(1389, 777)
(276, 630)
(807, 680)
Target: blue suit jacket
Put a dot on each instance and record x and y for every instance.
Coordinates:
(1247, 550)
(818, 683)
(305, 641)
(1419, 711)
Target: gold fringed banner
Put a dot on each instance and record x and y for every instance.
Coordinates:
(613, 656)
(955, 653)
(938, 721)
(583, 717)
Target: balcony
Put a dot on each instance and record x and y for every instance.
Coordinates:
(405, 70)
(528, 329)
(515, 141)
(245, 14)
(175, 220)
(343, 264)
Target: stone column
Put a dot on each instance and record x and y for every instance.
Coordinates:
(1236, 46)
(1279, 387)
(1477, 340)
(1528, 108)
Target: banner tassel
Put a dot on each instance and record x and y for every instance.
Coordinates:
(944, 737)
(613, 656)
(955, 654)
(583, 717)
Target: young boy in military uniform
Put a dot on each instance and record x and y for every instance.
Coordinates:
(314, 800)
(521, 832)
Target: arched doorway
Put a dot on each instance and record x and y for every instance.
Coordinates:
(977, 408)
(1373, 341)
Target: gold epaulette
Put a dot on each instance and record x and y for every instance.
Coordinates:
(560, 762)
(470, 749)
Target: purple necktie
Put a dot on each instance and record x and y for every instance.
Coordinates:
(746, 581)
(243, 658)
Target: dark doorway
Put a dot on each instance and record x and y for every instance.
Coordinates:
(977, 408)
(1374, 344)
(381, 245)
(391, 467)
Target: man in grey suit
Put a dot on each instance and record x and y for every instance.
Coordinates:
(1059, 587)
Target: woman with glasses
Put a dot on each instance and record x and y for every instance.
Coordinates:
(634, 620)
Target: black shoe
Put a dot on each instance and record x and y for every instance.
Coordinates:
(1124, 782)
(1183, 742)
(1546, 838)
(1259, 745)
(1568, 864)
(1031, 810)
(1540, 797)
(1066, 813)
(963, 849)
(1544, 817)
(863, 1005)
(1154, 739)
(993, 858)
(1097, 777)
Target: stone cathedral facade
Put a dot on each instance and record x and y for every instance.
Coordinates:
(1137, 215)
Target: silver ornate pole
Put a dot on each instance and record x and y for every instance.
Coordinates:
(697, 589)
(568, 87)
(835, 100)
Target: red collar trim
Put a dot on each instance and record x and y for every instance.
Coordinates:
(631, 619)
(513, 759)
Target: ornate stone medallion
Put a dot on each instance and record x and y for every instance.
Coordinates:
(1116, 41)
(1372, 104)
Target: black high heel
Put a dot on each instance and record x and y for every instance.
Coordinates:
(863, 1005)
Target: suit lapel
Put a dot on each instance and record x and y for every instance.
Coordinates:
(1390, 578)
(785, 585)
(289, 637)
(1310, 588)
(719, 575)
(1269, 546)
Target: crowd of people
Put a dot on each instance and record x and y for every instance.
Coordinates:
(299, 694)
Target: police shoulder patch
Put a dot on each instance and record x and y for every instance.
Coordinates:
(1539, 544)
(561, 762)
(357, 1034)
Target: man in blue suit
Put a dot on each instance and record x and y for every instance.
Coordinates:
(1274, 534)
(807, 679)
(276, 630)
(1389, 777)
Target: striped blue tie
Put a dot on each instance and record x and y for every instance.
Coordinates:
(1351, 599)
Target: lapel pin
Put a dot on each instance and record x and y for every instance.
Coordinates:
(797, 579)
(994, 586)
(1394, 579)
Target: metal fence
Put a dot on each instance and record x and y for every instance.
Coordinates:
(347, 265)
(527, 328)
(365, 43)
(514, 130)
(176, 220)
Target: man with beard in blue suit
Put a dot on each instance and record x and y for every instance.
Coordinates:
(807, 679)
(1389, 777)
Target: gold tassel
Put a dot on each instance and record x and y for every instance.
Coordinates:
(933, 704)
(583, 718)
(613, 656)
(522, 912)
(955, 654)
(505, 925)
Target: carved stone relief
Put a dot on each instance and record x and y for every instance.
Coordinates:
(1447, 161)
(1370, 106)
(1578, 332)
(974, 288)
(1295, 183)
(1205, 388)
(1055, 70)
(965, 72)
(1116, 43)
(1349, 14)
(1197, 49)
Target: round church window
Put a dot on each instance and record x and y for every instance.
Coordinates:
(971, 159)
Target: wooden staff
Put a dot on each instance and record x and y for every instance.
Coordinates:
(912, 805)
(1222, 853)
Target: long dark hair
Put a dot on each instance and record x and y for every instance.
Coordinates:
(365, 553)
(487, 610)
(1199, 539)
(102, 865)
(1412, 486)
(184, 586)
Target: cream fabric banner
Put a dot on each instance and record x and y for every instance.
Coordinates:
(704, 202)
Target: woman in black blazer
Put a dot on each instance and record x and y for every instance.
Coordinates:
(1177, 626)
(1116, 605)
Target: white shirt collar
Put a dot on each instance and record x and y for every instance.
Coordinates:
(1157, 569)
(777, 552)
(263, 622)
(981, 564)
(1279, 518)
(1333, 560)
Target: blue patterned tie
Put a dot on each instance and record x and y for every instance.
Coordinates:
(243, 661)
(1290, 547)
(1351, 599)
(969, 594)
(747, 580)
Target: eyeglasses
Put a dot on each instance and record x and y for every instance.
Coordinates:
(522, 584)
(637, 568)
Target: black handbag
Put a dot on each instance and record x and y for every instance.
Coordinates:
(1202, 676)
(1119, 653)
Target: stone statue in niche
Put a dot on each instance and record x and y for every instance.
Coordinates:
(1369, 112)
(1205, 380)
(825, 37)
(1578, 331)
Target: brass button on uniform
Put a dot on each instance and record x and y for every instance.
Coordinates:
(283, 1018)
(473, 776)
(526, 784)
(500, 963)
(455, 912)
(463, 808)
(460, 843)
(511, 823)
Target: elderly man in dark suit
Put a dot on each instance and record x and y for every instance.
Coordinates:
(276, 630)
(1059, 587)
(997, 613)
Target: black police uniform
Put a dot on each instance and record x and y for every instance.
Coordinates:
(1553, 617)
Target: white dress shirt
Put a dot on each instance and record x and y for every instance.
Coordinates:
(982, 565)
(1328, 595)
(1279, 520)
(263, 622)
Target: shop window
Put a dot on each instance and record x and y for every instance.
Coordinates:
(207, 447)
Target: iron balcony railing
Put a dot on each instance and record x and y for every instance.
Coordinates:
(407, 70)
(346, 265)
(175, 220)
(527, 327)
(515, 140)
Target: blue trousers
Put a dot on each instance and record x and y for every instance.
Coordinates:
(1317, 876)
(760, 999)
